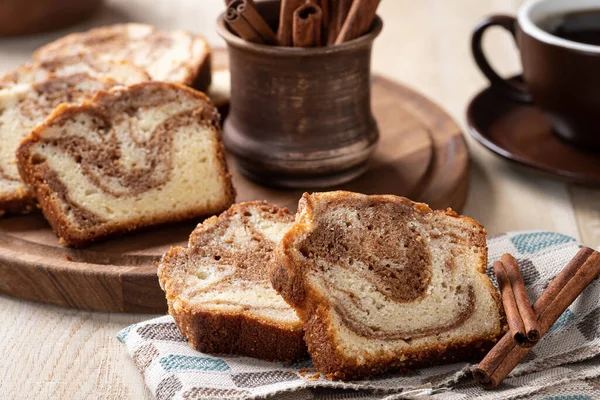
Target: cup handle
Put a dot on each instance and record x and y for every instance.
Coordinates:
(510, 88)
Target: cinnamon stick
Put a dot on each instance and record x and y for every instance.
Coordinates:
(360, 18)
(325, 11)
(532, 333)
(562, 291)
(515, 322)
(242, 15)
(307, 26)
(286, 21)
(241, 27)
(337, 16)
(247, 8)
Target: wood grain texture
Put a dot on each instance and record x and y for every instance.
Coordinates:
(57, 353)
(424, 44)
(422, 155)
(116, 276)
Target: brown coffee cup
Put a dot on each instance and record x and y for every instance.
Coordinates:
(560, 76)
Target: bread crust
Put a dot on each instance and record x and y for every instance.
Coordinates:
(287, 277)
(327, 359)
(229, 332)
(221, 333)
(35, 176)
(198, 75)
(18, 204)
(201, 78)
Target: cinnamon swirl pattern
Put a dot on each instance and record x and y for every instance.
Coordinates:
(131, 157)
(22, 107)
(380, 282)
(218, 288)
(177, 56)
(63, 66)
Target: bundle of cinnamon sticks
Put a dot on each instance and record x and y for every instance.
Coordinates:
(528, 324)
(303, 23)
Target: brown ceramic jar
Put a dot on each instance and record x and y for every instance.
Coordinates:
(300, 117)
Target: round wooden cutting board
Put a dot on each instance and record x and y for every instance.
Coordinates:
(422, 155)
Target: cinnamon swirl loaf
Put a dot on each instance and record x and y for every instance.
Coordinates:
(218, 288)
(22, 107)
(380, 282)
(131, 157)
(122, 71)
(177, 57)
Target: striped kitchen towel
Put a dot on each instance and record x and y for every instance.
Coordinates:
(563, 362)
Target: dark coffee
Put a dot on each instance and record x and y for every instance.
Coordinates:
(580, 26)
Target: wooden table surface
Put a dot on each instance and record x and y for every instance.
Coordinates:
(49, 352)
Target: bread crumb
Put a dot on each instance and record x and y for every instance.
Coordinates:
(307, 373)
(451, 213)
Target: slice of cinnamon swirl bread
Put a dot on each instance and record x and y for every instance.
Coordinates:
(122, 71)
(218, 288)
(22, 107)
(380, 282)
(131, 157)
(177, 57)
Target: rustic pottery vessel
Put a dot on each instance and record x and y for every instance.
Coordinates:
(300, 117)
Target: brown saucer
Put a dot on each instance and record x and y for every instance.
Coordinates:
(519, 133)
